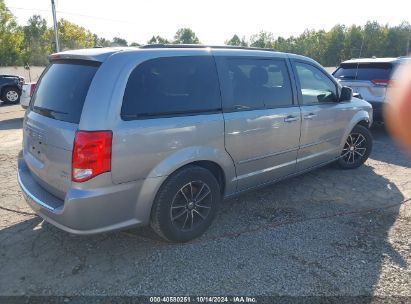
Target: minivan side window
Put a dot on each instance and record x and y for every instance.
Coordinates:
(250, 83)
(170, 86)
(315, 86)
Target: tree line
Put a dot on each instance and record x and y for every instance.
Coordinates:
(32, 43)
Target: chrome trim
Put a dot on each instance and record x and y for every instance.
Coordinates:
(300, 159)
(265, 170)
(31, 196)
(319, 142)
(267, 155)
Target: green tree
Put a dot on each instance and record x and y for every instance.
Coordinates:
(235, 40)
(32, 43)
(73, 36)
(36, 41)
(374, 39)
(282, 45)
(119, 42)
(262, 40)
(158, 40)
(333, 53)
(11, 38)
(185, 36)
(353, 42)
(398, 41)
(101, 42)
(135, 44)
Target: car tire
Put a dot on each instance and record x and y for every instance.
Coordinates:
(11, 95)
(357, 148)
(186, 204)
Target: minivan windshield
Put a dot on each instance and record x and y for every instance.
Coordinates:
(62, 89)
(364, 71)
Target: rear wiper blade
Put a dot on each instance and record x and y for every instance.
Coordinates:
(346, 77)
(49, 112)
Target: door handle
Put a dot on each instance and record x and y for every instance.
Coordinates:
(290, 118)
(310, 116)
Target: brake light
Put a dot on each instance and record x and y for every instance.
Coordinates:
(32, 88)
(383, 82)
(91, 154)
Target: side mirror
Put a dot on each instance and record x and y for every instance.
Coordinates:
(357, 95)
(346, 94)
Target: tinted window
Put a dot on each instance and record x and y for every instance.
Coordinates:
(62, 90)
(315, 85)
(170, 86)
(255, 84)
(364, 71)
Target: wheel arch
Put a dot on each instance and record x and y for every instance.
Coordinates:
(364, 123)
(219, 163)
(214, 168)
(360, 118)
(7, 86)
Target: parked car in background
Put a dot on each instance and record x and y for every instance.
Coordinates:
(10, 88)
(369, 77)
(160, 134)
(26, 93)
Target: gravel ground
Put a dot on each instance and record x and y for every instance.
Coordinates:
(328, 232)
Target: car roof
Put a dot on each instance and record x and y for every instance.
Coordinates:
(101, 54)
(373, 60)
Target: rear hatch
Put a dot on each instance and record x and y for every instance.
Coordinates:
(52, 121)
(370, 79)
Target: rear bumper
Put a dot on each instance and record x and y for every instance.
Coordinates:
(378, 110)
(84, 211)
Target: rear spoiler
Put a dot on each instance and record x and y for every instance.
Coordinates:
(96, 54)
(55, 57)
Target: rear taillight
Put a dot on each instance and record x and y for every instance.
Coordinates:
(32, 88)
(91, 154)
(382, 82)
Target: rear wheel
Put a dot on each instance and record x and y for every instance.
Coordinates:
(186, 204)
(357, 148)
(11, 95)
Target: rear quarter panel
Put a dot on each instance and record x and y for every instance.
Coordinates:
(157, 147)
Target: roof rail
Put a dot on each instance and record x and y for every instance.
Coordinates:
(201, 46)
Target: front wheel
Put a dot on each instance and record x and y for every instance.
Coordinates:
(357, 148)
(185, 204)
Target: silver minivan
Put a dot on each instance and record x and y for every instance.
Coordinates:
(159, 135)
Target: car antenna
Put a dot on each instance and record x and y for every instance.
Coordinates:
(358, 62)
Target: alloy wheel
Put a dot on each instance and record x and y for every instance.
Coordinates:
(191, 205)
(355, 148)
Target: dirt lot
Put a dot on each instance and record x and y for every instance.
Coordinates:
(328, 232)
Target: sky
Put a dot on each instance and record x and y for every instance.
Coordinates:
(213, 21)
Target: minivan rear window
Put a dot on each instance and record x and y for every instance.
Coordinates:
(62, 89)
(364, 71)
(172, 86)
